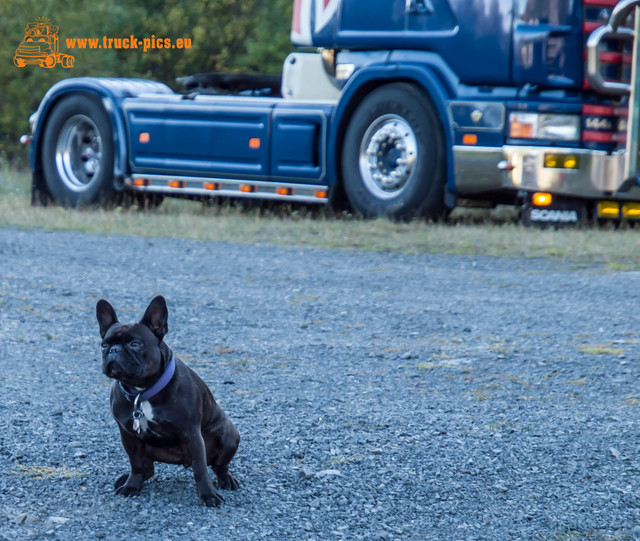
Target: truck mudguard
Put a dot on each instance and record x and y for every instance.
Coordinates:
(111, 92)
(426, 70)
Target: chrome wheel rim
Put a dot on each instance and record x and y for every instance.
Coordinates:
(388, 153)
(79, 153)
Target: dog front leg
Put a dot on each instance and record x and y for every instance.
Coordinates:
(141, 467)
(197, 449)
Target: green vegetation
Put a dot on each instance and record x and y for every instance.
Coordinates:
(226, 35)
(302, 226)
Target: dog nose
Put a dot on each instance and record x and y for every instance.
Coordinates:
(116, 349)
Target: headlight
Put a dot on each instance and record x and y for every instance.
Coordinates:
(545, 126)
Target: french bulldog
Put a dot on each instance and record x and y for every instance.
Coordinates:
(164, 411)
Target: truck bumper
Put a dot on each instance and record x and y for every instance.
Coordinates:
(486, 170)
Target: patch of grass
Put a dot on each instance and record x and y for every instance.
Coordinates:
(341, 460)
(315, 227)
(571, 534)
(501, 426)
(300, 300)
(601, 350)
(428, 366)
(579, 382)
(500, 346)
(47, 472)
(480, 395)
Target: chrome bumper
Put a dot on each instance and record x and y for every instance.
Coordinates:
(600, 175)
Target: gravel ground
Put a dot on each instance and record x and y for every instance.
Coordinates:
(378, 396)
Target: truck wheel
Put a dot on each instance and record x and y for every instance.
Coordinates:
(78, 152)
(48, 62)
(393, 157)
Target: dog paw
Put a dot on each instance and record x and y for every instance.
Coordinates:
(127, 491)
(212, 500)
(121, 481)
(228, 482)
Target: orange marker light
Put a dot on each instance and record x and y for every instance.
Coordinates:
(248, 188)
(176, 184)
(141, 182)
(320, 194)
(469, 139)
(254, 142)
(144, 137)
(541, 199)
(211, 186)
(284, 191)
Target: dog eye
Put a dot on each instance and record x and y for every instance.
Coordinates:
(105, 345)
(135, 344)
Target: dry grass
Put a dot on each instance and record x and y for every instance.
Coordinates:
(47, 472)
(614, 249)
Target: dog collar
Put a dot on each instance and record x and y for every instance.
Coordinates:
(162, 382)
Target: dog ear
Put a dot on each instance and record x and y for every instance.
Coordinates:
(156, 317)
(106, 316)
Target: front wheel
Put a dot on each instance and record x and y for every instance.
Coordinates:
(393, 157)
(78, 152)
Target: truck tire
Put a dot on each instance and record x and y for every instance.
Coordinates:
(78, 152)
(393, 157)
(48, 62)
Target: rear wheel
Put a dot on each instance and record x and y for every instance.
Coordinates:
(78, 152)
(48, 62)
(393, 158)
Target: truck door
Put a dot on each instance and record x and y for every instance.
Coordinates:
(372, 17)
(472, 36)
(547, 43)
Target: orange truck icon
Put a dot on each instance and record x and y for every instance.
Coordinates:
(41, 46)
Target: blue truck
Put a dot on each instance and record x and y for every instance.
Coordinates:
(397, 108)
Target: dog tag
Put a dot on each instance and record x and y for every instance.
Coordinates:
(137, 415)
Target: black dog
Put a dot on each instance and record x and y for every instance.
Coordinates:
(165, 412)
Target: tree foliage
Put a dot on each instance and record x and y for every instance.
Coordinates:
(226, 35)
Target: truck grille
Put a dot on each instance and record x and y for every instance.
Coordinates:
(604, 123)
(615, 56)
(30, 49)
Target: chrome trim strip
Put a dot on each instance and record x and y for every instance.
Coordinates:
(302, 193)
